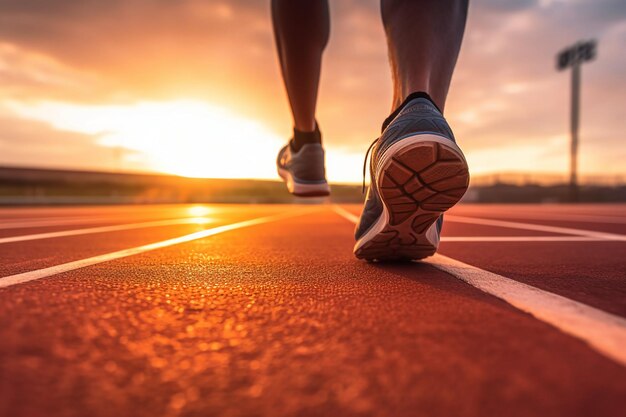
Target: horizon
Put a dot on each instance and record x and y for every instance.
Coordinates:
(506, 177)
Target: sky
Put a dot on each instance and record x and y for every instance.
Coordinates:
(192, 87)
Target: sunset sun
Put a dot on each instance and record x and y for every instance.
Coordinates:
(183, 137)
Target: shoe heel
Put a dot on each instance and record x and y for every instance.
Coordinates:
(421, 180)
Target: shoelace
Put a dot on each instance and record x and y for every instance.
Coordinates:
(365, 162)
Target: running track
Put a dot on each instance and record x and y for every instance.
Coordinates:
(247, 310)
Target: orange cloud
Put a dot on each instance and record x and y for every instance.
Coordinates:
(506, 94)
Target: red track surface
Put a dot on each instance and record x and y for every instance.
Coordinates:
(279, 318)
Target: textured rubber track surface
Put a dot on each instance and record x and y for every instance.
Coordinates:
(418, 184)
(280, 320)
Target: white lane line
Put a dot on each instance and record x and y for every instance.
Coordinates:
(582, 238)
(604, 332)
(521, 239)
(57, 222)
(536, 227)
(24, 223)
(104, 229)
(10, 280)
(346, 214)
(583, 218)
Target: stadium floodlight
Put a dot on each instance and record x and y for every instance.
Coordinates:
(573, 57)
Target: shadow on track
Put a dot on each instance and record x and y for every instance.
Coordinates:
(424, 273)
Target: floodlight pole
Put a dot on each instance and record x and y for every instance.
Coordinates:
(573, 57)
(575, 110)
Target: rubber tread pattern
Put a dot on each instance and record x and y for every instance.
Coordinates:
(418, 184)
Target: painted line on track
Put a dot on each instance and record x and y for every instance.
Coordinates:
(104, 229)
(604, 332)
(583, 218)
(24, 277)
(32, 222)
(346, 214)
(354, 219)
(521, 239)
(57, 222)
(536, 227)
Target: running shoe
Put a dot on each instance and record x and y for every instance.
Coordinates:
(303, 171)
(417, 173)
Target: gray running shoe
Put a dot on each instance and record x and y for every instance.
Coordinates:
(417, 173)
(303, 171)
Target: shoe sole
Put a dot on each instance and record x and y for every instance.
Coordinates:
(300, 189)
(420, 178)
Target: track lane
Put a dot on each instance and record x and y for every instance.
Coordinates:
(105, 229)
(591, 272)
(536, 226)
(81, 215)
(560, 210)
(21, 257)
(603, 331)
(600, 217)
(33, 275)
(598, 226)
(23, 231)
(453, 228)
(284, 321)
(64, 212)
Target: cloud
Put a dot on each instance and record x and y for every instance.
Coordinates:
(504, 6)
(518, 50)
(506, 92)
(26, 142)
(147, 48)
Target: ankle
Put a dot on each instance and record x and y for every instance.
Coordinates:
(305, 126)
(301, 138)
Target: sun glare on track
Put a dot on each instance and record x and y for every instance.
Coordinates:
(199, 211)
(198, 214)
(201, 220)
